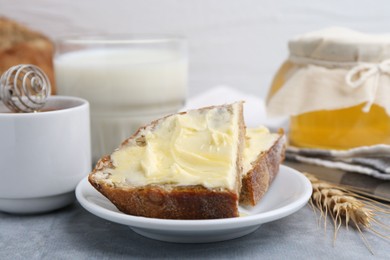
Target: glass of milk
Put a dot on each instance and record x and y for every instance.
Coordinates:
(128, 80)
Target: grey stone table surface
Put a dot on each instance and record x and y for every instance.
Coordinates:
(74, 233)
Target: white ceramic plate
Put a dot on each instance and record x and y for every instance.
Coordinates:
(289, 192)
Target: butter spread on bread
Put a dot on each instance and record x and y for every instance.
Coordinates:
(184, 166)
(196, 148)
(258, 140)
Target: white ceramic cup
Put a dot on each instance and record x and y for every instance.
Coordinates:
(43, 155)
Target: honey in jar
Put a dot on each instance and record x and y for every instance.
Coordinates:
(335, 87)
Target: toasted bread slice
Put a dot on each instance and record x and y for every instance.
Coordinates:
(263, 153)
(184, 166)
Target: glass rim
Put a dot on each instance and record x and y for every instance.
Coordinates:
(111, 38)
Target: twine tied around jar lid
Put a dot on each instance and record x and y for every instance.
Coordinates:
(362, 72)
(333, 68)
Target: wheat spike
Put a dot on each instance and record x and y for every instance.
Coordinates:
(347, 207)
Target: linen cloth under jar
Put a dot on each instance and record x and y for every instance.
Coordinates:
(335, 86)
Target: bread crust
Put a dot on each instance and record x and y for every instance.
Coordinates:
(172, 201)
(180, 202)
(257, 181)
(241, 147)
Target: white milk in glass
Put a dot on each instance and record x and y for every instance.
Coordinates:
(126, 88)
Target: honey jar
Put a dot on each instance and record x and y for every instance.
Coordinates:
(335, 86)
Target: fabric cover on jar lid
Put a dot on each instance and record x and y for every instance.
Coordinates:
(334, 68)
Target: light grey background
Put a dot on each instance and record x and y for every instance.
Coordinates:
(237, 43)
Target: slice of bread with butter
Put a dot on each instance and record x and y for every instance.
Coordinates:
(263, 153)
(190, 166)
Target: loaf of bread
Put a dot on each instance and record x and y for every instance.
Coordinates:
(191, 166)
(20, 45)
